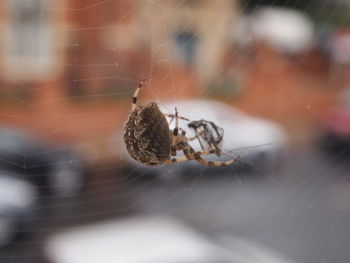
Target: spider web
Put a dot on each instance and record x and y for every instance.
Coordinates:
(103, 60)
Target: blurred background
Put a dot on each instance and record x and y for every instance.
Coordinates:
(274, 75)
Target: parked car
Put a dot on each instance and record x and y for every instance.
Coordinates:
(338, 46)
(260, 143)
(151, 239)
(53, 168)
(335, 136)
(287, 30)
(18, 199)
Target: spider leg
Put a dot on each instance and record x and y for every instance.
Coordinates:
(197, 136)
(191, 154)
(135, 96)
(175, 134)
(185, 158)
(172, 116)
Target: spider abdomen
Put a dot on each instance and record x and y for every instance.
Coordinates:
(146, 135)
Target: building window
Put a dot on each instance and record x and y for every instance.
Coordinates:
(29, 51)
(30, 36)
(186, 48)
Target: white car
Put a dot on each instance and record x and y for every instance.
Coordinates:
(259, 143)
(151, 240)
(285, 29)
(17, 201)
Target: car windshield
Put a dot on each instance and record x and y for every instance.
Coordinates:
(13, 140)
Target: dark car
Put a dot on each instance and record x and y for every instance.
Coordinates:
(336, 127)
(54, 169)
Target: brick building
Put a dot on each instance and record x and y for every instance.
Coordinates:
(69, 67)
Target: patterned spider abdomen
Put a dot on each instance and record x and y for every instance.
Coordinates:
(147, 135)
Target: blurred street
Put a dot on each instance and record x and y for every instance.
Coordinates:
(301, 211)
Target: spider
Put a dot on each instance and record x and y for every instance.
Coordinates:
(151, 142)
